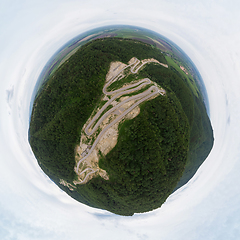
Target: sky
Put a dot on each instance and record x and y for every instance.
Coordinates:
(32, 207)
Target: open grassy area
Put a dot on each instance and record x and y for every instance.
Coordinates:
(189, 79)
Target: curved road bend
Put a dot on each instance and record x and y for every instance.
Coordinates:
(127, 87)
(110, 81)
(132, 68)
(84, 180)
(135, 65)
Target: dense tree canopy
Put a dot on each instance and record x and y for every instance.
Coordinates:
(171, 134)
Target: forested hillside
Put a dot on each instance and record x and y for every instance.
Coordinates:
(171, 134)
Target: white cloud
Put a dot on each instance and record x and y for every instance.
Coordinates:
(32, 206)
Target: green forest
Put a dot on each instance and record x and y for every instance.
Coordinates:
(157, 152)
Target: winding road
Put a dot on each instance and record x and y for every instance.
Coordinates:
(138, 98)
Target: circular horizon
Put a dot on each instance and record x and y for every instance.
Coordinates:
(183, 103)
(33, 207)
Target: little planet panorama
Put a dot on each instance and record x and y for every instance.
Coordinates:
(119, 119)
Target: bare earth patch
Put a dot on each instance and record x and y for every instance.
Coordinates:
(182, 68)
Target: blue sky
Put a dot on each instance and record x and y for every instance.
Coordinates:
(32, 207)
